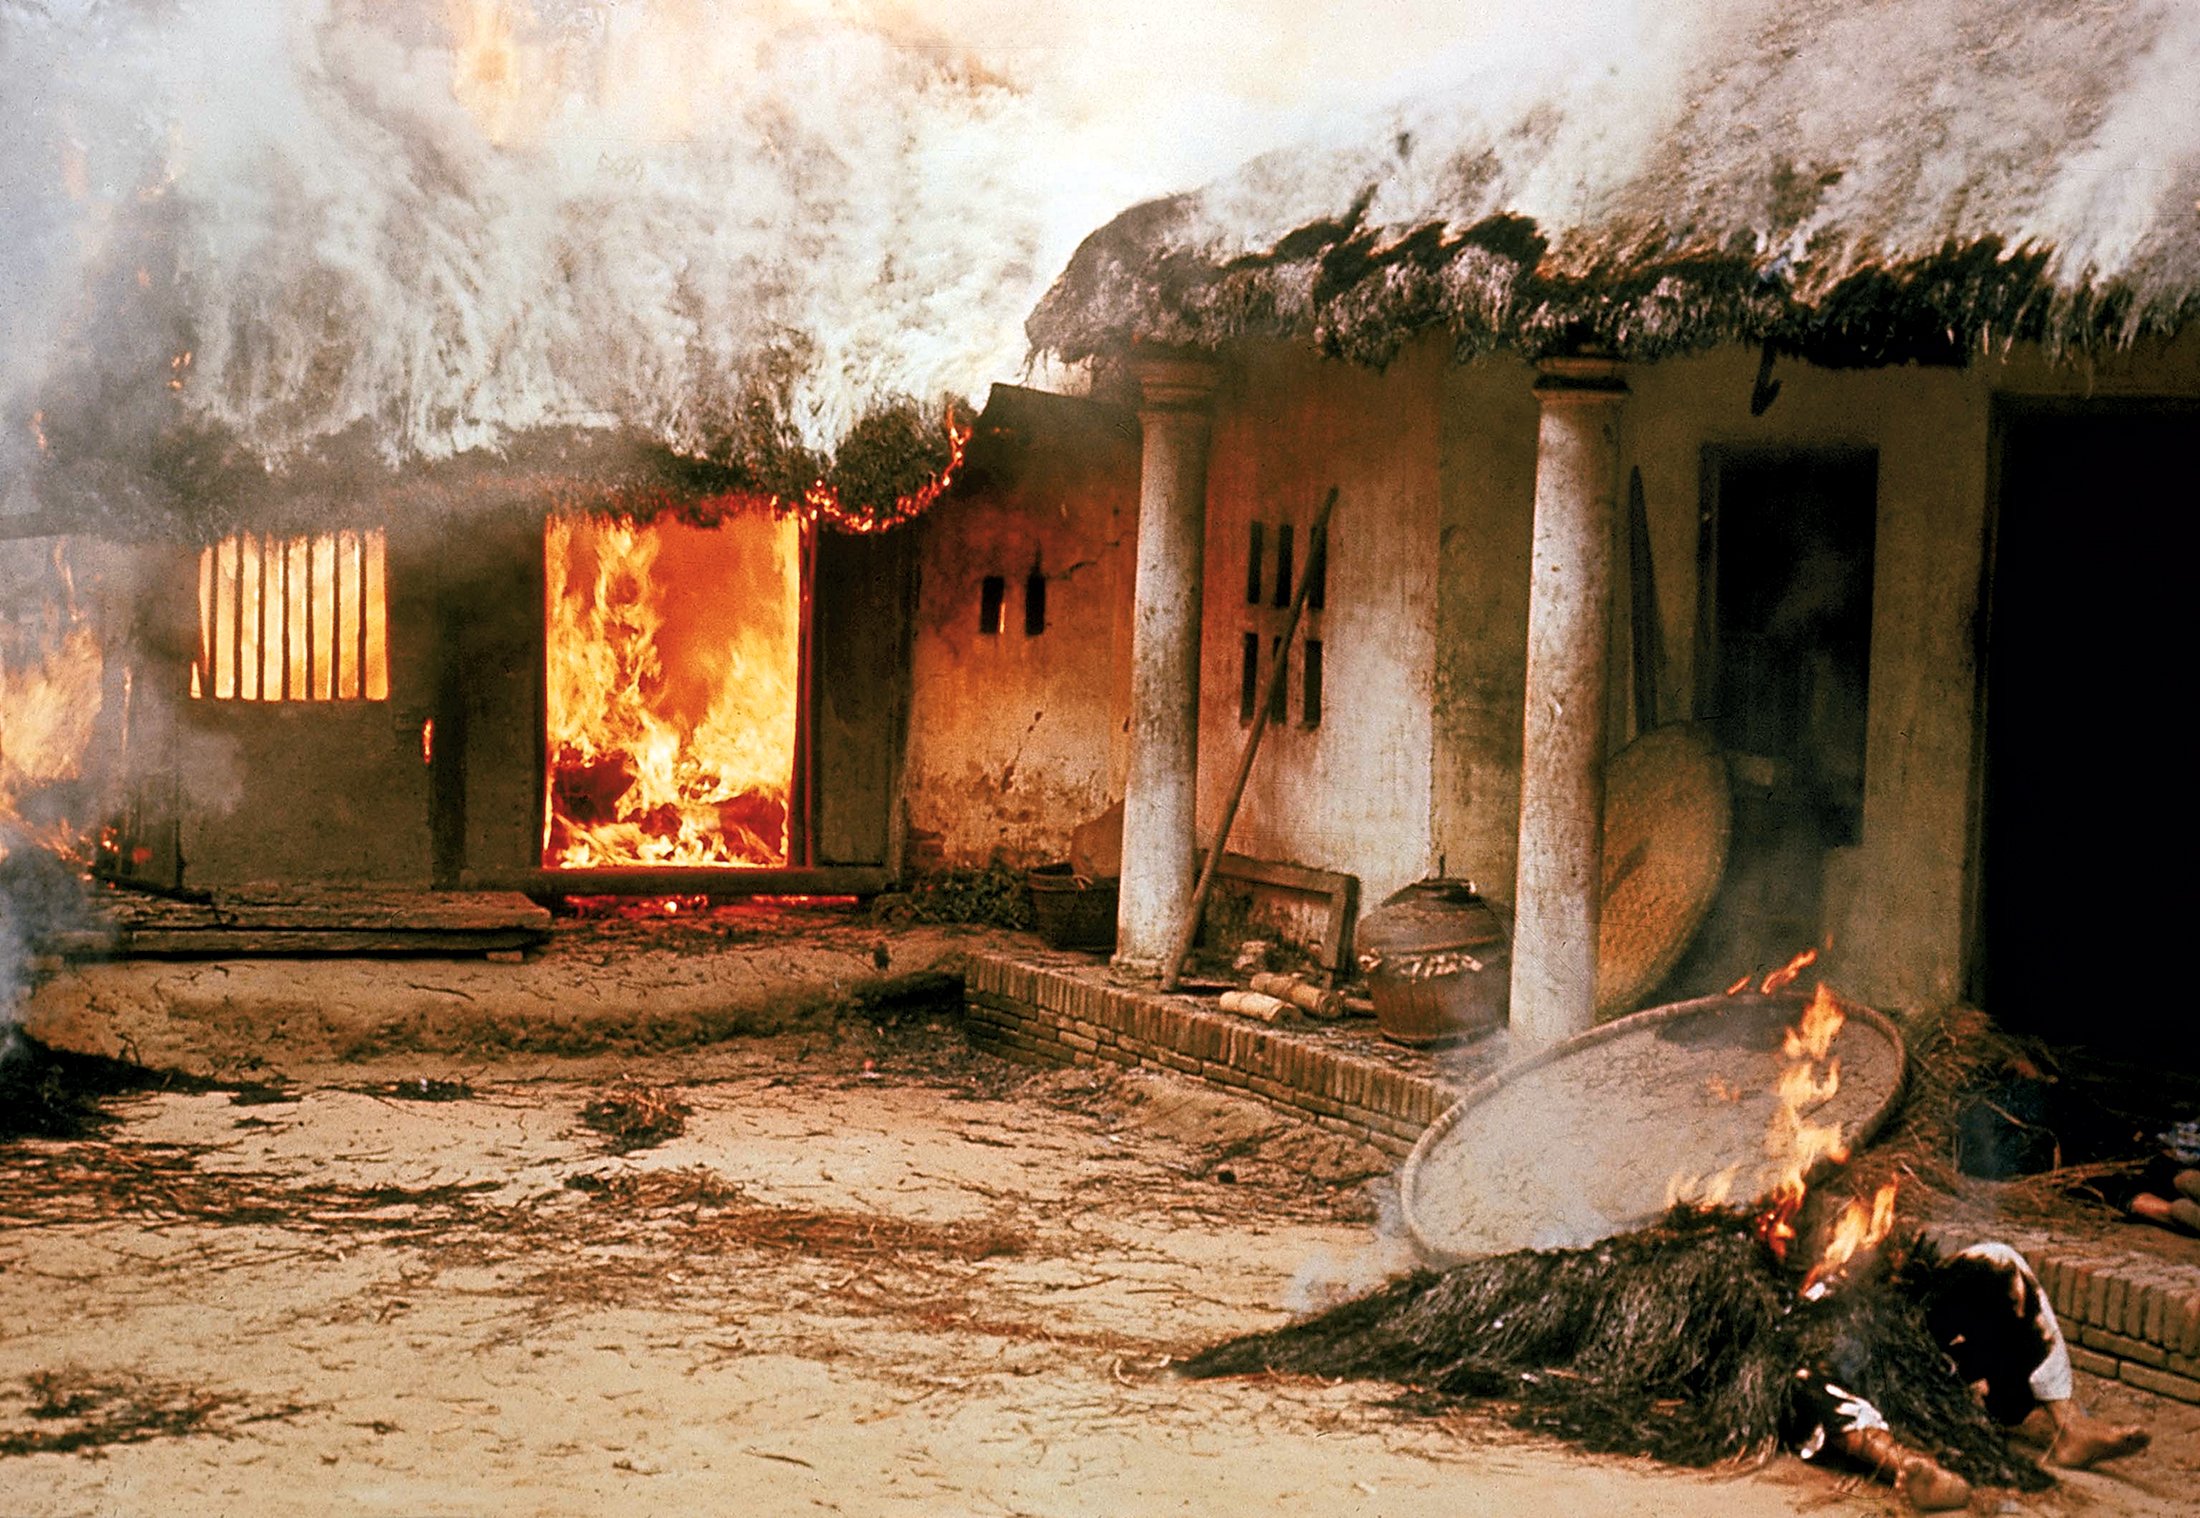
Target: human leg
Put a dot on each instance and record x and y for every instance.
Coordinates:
(2002, 1333)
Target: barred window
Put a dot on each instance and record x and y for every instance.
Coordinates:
(293, 619)
(1270, 560)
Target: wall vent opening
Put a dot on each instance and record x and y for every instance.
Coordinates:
(293, 619)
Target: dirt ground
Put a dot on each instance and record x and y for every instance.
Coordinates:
(876, 1273)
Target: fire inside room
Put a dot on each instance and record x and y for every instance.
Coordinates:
(673, 695)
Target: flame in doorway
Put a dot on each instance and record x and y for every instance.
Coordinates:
(674, 654)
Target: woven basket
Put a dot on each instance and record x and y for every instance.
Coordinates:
(1509, 1167)
(1072, 912)
(1668, 818)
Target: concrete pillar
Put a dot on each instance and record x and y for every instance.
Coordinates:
(1161, 787)
(1560, 884)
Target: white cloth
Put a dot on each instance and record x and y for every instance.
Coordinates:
(2051, 1379)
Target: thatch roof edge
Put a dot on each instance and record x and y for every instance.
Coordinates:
(1361, 293)
(192, 484)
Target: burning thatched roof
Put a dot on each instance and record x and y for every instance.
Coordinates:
(355, 254)
(186, 481)
(1857, 181)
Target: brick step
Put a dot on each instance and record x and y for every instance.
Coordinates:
(1068, 1014)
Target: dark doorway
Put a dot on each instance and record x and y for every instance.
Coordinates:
(2087, 820)
(1784, 660)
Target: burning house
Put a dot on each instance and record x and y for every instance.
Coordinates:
(1833, 398)
(481, 506)
(470, 466)
(1636, 415)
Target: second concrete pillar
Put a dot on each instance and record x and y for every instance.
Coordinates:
(1559, 889)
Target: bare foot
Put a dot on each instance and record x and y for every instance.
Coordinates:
(2038, 1429)
(1930, 1486)
(1934, 1489)
(2084, 1441)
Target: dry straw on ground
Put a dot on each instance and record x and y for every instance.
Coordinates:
(634, 1116)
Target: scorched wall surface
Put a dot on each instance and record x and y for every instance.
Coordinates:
(1016, 736)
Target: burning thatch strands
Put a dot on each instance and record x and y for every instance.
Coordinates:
(636, 1116)
(1680, 1341)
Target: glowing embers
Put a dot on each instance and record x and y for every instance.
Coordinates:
(293, 619)
(674, 656)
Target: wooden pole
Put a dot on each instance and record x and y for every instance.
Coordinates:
(1317, 550)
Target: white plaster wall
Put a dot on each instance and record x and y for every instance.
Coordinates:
(1487, 470)
(1417, 759)
(1014, 740)
(1352, 794)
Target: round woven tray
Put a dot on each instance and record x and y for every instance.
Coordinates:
(1668, 817)
(1585, 1139)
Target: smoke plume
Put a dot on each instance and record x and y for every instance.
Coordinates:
(423, 227)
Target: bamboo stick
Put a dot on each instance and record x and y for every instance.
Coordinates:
(1317, 540)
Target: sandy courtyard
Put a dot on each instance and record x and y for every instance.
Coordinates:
(871, 1276)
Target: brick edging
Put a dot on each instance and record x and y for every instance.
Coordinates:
(1048, 1016)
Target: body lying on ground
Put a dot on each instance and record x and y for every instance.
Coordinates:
(1984, 1307)
(1690, 1341)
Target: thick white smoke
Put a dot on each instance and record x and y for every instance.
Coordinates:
(434, 225)
(1837, 133)
(438, 224)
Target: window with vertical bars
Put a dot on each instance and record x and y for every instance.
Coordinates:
(293, 619)
(1271, 557)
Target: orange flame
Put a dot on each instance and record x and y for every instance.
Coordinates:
(505, 80)
(673, 669)
(1858, 1228)
(49, 705)
(819, 504)
(1792, 1139)
(640, 773)
(1779, 980)
(822, 503)
(1813, 1035)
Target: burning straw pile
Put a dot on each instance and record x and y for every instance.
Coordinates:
(1694, 1340)
(1679, 1341)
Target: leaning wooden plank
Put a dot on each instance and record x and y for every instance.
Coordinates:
(1264, 706)
(1340, 892)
